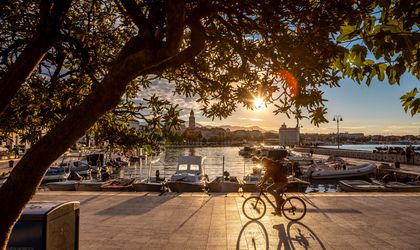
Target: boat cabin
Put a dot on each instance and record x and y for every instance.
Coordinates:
(190, 164)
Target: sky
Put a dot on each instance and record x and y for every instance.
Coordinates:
(373, 110)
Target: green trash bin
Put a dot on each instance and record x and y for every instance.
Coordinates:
(47, 225)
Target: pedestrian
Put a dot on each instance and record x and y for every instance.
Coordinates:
(16, 150)
(408, 154)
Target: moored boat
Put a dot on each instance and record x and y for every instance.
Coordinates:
(189, 176)
(364, 186)
(120, 184)
(360, 186)
(67, 185)
(401, 187)
(149, 185)
(250, 181)
(56, 173)
(316, 173)
(89, 185)
(222, 184)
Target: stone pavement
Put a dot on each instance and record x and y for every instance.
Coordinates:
(200, 221)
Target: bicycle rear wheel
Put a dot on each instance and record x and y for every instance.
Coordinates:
(254, 208)
(294, 208)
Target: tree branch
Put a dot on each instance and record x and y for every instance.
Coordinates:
(134, 11)
(20, 71)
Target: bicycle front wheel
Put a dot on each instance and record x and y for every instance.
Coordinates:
(254, 208)
(294, 208)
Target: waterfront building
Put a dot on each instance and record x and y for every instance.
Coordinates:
(289, 136)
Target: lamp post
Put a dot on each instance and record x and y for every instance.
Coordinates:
(338, 119)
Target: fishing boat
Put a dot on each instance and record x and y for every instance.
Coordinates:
(401, 187)
(360, 186)
(89, 185)
(120, 184)
(364, 186)
(324, 173)
(67, 185)
(189, 176)
(150, 184)
(102, 177)
(224, 184)
(56, 173)
(250, 181)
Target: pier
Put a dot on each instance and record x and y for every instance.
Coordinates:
(201, 221)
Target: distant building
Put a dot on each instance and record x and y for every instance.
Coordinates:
(289, 136)
(191, 123)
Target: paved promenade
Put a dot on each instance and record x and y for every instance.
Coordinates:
(215, 221)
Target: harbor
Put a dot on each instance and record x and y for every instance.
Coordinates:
(217, 162)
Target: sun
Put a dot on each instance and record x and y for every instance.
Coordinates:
(259, 102)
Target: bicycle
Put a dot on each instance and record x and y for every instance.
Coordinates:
(254, 208)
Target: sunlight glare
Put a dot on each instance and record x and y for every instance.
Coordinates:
(259, 102)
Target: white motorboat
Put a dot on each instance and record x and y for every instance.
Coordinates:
(56, 173)
(301, 159)
(189, 176)
(250, 181)
(81, 167)
(324, 173)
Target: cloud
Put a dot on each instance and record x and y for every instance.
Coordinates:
(251, 119)
(166, 90)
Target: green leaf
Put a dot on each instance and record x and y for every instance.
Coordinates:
(381, 71)
(346, 32)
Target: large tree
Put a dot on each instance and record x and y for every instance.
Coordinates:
(223, 52)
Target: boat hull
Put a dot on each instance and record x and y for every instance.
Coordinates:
(118, 185)
(62, 186)
(179, 186)
(148, 187)
(223, 187)
(89, 186)
(359, 186)
(343, 174)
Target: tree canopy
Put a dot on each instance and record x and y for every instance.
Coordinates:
(225, 53)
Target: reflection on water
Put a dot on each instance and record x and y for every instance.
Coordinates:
(235, 164)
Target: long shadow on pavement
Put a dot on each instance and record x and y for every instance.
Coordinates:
(295, 235)
(136, 205)
(298, 236)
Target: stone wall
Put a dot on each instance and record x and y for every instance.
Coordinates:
(386, 157)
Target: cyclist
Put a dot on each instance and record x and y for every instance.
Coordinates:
(277, 172)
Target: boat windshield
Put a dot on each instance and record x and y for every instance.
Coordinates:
(194, 167)
(183, 167)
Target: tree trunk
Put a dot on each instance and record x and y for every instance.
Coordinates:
(28, 173)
